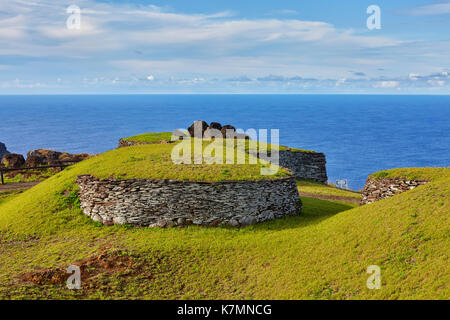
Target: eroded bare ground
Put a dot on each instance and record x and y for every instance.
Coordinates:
(107, 263)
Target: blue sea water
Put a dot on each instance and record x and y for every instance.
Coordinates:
(359, 134)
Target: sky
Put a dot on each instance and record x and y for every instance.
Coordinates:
(218, 46)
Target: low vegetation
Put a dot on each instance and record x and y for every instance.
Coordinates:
(321, 254)
(155, 137)
(30, 175)
(317, 188)
(428, 173)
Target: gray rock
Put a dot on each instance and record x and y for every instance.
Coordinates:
(3, 150)
(119, 220)
(247, 221)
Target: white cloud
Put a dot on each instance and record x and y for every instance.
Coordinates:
(436, 83)
(432, 9)
(386, 84)
(285, 11)
(150, 78)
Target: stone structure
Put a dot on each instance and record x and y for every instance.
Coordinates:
(380, 188)
(197, 129)
(42, 157)
(13, 160)
(3, 150)
(303, 164)
(162, 203)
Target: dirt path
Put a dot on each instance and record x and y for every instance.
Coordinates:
(327, 197)
(17, 186)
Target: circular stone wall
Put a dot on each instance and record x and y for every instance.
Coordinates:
(161, 203)
(381, 188)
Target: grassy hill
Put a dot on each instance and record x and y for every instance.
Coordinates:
(321, 254)
(158, 137)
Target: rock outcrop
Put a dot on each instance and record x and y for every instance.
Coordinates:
(228, 131)
(198, 128)
(3, 150)
(13, 160)
(381, 188)
(42, 157)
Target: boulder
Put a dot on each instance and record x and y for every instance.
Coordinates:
(3, 150)
(198, 127)
(226, 128)
(212, 133)
(238, 135)
(13, 160)
(215, 125)
(65, 157)
(42, 157)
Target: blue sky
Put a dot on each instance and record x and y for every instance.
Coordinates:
(218, 46)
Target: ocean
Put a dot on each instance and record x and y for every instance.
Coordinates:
(359, 134)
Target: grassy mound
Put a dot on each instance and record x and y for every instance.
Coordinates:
(155, 162)
(428, 173)
(155, 137)
(321, 254)
(159, 137)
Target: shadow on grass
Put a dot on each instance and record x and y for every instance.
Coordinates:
(314, 211)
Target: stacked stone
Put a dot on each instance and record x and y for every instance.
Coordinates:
(303, 164)
(201, 129)
(163, 203)
(380, 188)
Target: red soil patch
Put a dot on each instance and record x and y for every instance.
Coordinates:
(106, 263)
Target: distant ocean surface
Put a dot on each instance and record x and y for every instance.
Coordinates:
(359, 134)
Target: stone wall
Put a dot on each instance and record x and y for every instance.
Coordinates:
(162, 203)
(380, 188)
(304, 165)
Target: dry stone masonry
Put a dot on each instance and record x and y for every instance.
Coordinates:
(163, 203)
(303, 164)
(380, 188)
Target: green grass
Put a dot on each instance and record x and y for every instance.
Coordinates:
(155, 162)
(155, 137)
(7, 195)
(321, 254)
(30, 175)
(428, 173)
(314, 187)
